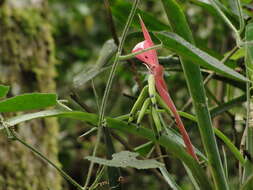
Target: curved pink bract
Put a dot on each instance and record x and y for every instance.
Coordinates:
(151, 60)
(149, 57)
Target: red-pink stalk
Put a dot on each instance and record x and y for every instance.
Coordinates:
(151, 60)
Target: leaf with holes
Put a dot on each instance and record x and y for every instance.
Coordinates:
(126, 159)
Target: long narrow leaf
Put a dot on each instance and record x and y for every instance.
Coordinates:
(194, 80)
(190, 52)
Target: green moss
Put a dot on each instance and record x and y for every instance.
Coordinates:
(27, 64)
(28, 42)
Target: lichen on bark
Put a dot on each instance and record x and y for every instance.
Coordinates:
(27, 63)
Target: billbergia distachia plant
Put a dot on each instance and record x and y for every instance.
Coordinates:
(153, 112)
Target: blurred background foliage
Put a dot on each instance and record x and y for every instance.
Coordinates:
(80, 28)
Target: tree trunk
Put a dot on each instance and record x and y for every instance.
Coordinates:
(27, 65)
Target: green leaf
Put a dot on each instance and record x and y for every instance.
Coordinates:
(28, 102)
(126, 159)
(121, 10)
(195, 85)
(78, 115)
(4, 90)
(190, 52)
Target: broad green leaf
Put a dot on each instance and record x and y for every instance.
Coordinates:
(78, 115)
(28, 102)
(190, 52)
(168, 141)
(121, 9)
(106, 53)
(126, 159)
(4, 90)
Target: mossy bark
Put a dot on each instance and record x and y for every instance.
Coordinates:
(27, 64)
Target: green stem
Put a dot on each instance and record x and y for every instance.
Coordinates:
(249, 122)
(108, 87)
(40, 155)
(132, 55)
(99, 176)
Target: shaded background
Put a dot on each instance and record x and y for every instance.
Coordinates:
(79, 28)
